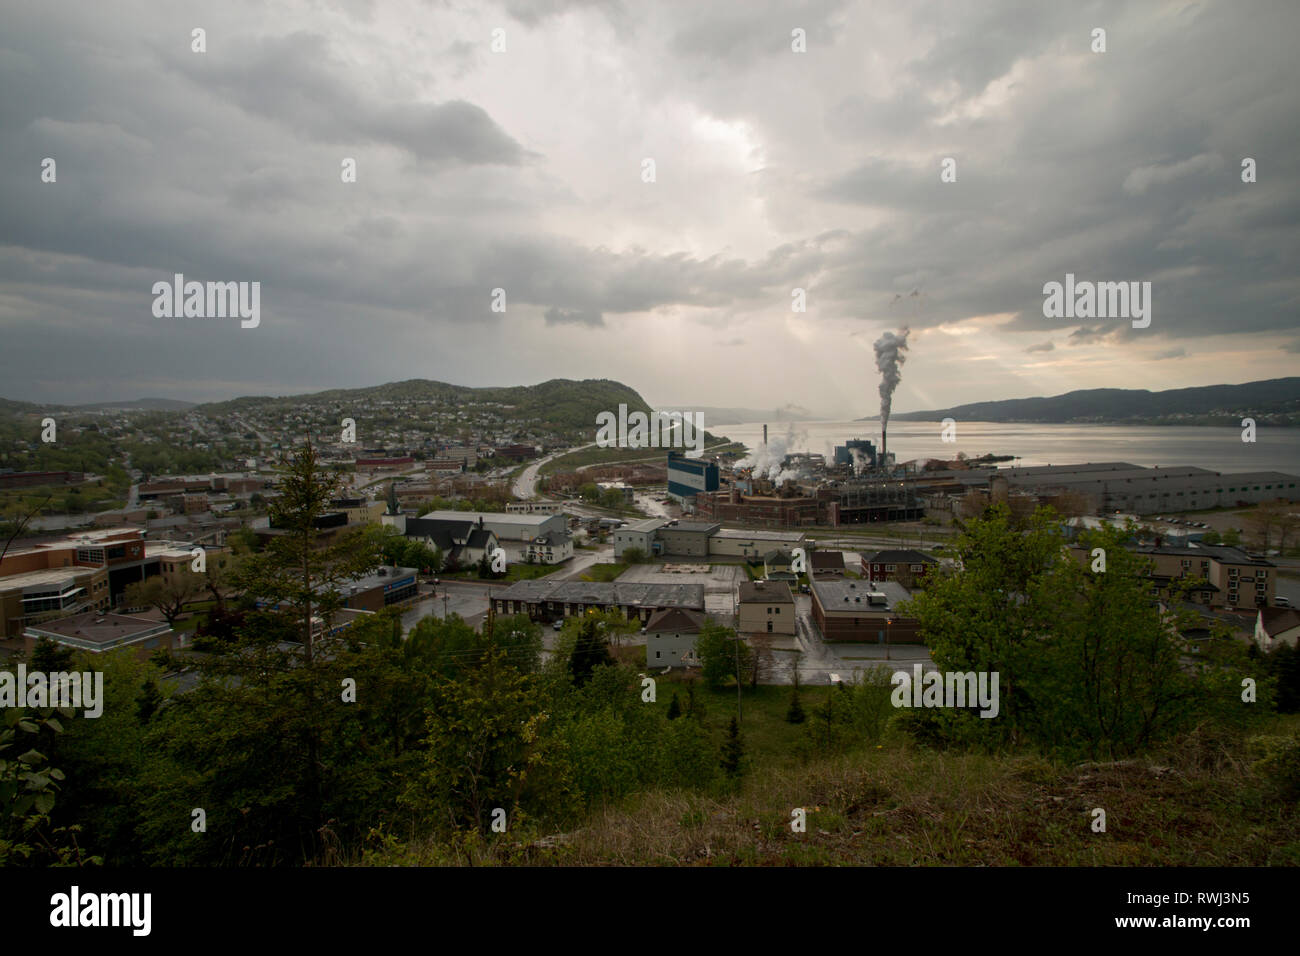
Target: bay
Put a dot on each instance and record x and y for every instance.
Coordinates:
(1213, 448)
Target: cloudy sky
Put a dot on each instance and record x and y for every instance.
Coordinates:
(523, 169)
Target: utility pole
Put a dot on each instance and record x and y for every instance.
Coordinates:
(740, 721)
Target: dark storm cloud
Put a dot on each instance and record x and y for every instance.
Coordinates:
(297, 82)
(225, 166)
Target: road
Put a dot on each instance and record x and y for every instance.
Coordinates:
(470, 601)
(525, 486)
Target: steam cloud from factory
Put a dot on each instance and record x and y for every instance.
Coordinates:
(889, 360)
(768, 459)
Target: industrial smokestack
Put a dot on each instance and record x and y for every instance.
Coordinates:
(764, 434)
(884, 445)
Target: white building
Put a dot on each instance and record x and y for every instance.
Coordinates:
(545, 537)
(638, 534)
(670, 635)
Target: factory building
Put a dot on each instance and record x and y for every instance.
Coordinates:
(688, 477)
(764, 510)
(1120, 486)
(853, 450)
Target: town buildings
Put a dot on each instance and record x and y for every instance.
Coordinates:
(544, 600)
(537, 538)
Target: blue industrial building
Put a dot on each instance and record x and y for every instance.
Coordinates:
(687, 477)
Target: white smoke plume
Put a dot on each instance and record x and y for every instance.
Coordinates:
(889, 360)
(766, 459)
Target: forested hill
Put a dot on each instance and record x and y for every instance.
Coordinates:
(1275, 401)
(560, 402)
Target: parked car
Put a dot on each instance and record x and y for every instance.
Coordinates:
(558, 625)
(1281, 602)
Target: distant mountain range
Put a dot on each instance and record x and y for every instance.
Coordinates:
(1275, 401)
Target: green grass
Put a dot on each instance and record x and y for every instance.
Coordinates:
(603, 572)
(1196, 802)
(770, 742)
(519, 571)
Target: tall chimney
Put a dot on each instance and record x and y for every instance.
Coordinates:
(764, 434)
(884, 446)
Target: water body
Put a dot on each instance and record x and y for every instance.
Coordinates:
(1213, 448)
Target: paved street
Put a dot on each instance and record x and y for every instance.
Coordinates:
(470, 601)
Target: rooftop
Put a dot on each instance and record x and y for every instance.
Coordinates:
(599, 592)
(646, 524)
(838, 595)
(899, 556)
(765, 592)
(498, 517)
(741, 534)
(707, 527)
(99, 631)
(674, 619)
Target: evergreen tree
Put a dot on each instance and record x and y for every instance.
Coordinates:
(148, 701)
(49, 657)
(674, 707)
(795, 714)
(591, 650)
(733, 750)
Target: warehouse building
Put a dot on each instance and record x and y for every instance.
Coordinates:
(744, 543)
(687, 538)
(638, 534)
(862, 613)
